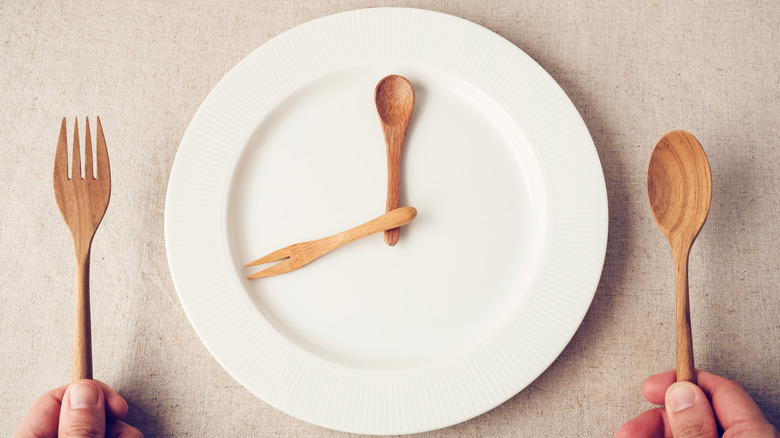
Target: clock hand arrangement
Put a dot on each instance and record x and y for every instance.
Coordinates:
(394, 98)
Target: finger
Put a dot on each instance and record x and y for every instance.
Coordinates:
(83, 412)
(648, 424)
(42, 418)
(689, 412)
(733, 405)
(654, 387)
(120, 429)
(116, 406)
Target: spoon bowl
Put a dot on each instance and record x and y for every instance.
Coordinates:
(394, 98)
(679, 186)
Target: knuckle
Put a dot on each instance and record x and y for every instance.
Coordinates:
(693, 431)
(81, 429)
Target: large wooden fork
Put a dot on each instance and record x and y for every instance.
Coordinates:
(82, 201)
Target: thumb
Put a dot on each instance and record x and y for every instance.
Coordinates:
(689, 412)
(83, 412)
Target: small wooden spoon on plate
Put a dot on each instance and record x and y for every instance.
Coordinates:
(394, 98)
(679, 185)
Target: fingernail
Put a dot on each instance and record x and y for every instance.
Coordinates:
(83, 395)
(680, 396)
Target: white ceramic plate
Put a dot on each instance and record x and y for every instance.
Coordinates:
(486, 286)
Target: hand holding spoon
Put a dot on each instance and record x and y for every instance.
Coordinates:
(679, 185)
(394, 98)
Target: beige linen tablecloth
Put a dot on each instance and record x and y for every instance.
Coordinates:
(634, 70)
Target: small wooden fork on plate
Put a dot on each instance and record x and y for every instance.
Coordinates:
(82, 201)
(301, 254)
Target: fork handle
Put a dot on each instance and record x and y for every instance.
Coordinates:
(82, 332)
(392, 219)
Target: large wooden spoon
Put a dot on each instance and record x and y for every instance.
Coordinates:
(394, 98)
(679, 185)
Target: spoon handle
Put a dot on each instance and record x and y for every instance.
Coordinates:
(685, 368)
(394, 141)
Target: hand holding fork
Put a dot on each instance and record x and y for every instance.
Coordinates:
(82, 200)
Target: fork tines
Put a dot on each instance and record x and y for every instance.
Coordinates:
(61, 156)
